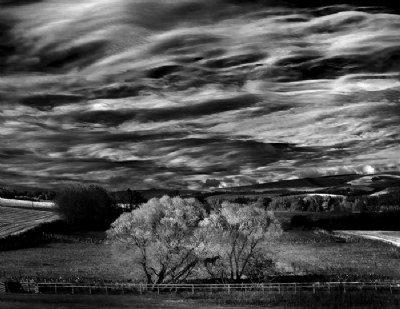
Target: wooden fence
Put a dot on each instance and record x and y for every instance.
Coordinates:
(263, 288)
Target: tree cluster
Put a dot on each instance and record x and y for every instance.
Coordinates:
(176, 239)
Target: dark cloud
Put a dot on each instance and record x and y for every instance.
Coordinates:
(116, 91)
(12, 153)
(49, 101)
(8, 46)
(59, 60)
(212, 183)
(116, 117)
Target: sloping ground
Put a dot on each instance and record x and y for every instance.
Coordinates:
(391, 237)
(14, 221)
(25, 204)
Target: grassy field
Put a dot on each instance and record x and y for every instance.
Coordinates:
(285, 217)
(14, 221)
(68, 260)
(296, 252)
(308, 252)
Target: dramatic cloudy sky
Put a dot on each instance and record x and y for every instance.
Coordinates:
(195, 93)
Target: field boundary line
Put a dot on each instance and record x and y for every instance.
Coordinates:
(224, 288)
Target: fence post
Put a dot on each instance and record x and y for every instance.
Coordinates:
(90, 290)
(344, 287)
(192, 288)
(229, 289)
(263, 290)
(72, 289)
(55, 288)
(106, 291)
(313, 287)
(279, 287)
(295, 288)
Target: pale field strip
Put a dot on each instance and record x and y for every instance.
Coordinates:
(391, 237)
(25, 204)
(14, 221)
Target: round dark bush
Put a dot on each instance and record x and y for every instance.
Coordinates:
(87, 207)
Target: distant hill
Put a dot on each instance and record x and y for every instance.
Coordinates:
(305, 184)
(351, 184)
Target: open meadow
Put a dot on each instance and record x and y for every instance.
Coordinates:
(66, 260)
(316, 252)
(295, 252)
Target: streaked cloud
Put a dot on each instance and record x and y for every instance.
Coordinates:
(190, 93)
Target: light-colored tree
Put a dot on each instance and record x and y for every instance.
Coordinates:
(236, 233)
(166, 237)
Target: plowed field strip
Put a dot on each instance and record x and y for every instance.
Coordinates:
(16, 221)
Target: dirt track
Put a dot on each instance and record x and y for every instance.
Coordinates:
(392, 237)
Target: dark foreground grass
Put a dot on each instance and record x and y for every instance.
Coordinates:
(354, 300)
(39, 301)
(323, 300)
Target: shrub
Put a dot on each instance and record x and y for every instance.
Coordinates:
(88, 207)
(300, 221)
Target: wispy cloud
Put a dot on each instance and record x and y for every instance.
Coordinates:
(194, 93)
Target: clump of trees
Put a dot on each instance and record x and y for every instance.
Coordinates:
(134, 199)
(235, 234)
(165, 234)
(175, 239)
(88, 207)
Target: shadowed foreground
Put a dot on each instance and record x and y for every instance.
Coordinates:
(354, 300)
(13, 301)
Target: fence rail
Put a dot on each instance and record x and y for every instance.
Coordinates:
(264, 288)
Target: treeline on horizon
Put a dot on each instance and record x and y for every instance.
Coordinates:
(336, 212)
(32, 195)
(296, 202)
(319, 202)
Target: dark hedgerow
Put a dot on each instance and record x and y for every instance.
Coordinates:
(88, 207)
